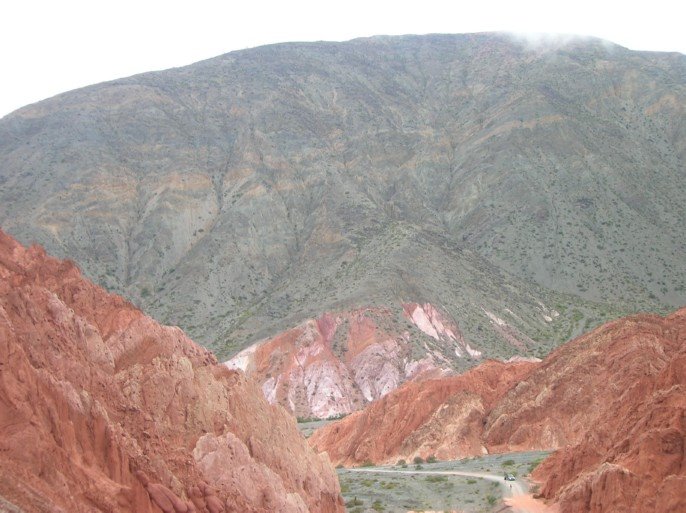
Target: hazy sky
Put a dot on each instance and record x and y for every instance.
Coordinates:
(51, 46)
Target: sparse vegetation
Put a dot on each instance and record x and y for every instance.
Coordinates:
(403, 492)
(552, 233)
(436, 479)
(354, 502)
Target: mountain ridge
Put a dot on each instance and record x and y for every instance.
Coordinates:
(241, 195)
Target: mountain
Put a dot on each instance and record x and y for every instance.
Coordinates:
(104, 410)
(536, 189)
(612, 403)
(337, 363)
(439, 417)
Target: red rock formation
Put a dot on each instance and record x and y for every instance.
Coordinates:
(102, 409)
(443, 417)
(613, 401)
(580, 382)
(626, 443)
(339, 362)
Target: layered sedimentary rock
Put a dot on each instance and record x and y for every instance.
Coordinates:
(583, 382)
(103, 409)
(626, 431)
(341, 361)
(441, 417)
(440, 327)
(613, 402)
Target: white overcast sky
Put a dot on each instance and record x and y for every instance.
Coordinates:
(51, 46)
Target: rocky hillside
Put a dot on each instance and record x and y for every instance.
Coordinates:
(337, 363)
(440, 417)
(239, 196)
(103, 409)
(613, 402)
(631, 453)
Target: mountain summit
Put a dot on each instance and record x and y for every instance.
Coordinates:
(526, 190)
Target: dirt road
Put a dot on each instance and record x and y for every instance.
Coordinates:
(514, 492)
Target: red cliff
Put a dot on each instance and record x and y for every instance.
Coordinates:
(625, 434)
(103, 409)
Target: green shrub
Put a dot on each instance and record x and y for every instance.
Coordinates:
(302, 420)
(354, 502)
(418, 460)
(431, 459)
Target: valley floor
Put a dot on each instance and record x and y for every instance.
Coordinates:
(474, 485)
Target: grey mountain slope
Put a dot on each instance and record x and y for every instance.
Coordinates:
(238, 195)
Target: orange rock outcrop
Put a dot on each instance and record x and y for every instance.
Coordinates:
(441, 417)
(103, 409)
(612, 403)
(625, 444)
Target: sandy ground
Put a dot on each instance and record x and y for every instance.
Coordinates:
(527, 504)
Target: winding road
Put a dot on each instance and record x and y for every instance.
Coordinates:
(515, 495)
